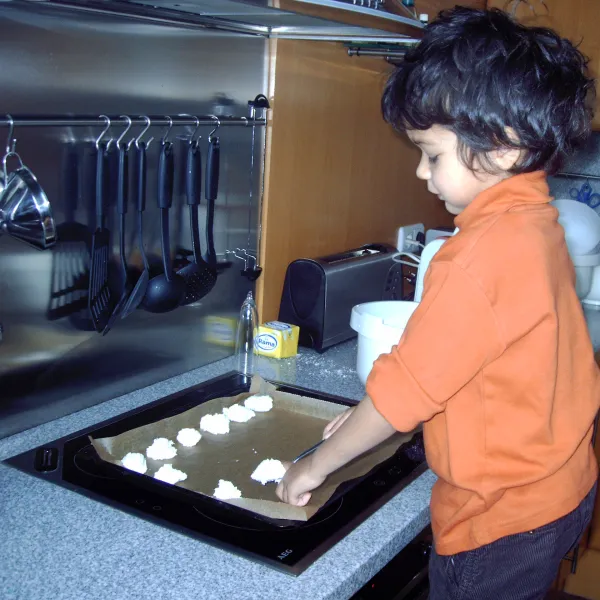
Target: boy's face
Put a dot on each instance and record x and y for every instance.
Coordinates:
(446, 176)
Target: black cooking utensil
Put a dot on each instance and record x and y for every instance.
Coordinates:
(211, 192)
(307, 452)
(199, 276)
(71, 255)
(100, 303)
(122, 198)
(139, 290)
(165, 291)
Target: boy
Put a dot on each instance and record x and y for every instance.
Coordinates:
(496, 361)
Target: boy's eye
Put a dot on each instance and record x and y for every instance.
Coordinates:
(433, 159)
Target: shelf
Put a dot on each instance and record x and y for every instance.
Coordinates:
(325, 20)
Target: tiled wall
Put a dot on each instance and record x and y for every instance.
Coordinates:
(585, 162)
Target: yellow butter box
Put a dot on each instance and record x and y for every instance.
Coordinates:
(277, 340)
(220, 330)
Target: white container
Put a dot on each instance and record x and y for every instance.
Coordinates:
(581, 224)
(379, 326)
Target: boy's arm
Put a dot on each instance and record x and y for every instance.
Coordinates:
(364, 429)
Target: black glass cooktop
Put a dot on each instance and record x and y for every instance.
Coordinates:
(290, 546)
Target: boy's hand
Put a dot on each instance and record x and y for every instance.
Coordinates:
(336, 423)
(298, 482)
(356, 431)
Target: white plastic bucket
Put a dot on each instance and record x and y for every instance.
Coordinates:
(379, 326)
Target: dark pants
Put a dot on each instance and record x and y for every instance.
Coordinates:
(516, 567)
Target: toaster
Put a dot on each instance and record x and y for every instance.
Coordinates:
(319, 293)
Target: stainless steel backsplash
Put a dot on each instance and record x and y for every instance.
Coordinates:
(54, 62)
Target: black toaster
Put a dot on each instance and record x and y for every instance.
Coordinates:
(319, 293)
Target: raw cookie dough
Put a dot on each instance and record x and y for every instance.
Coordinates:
(226, 490)
(188, 437)
(259, 403)
(269, 470)
(238, 413)
(217, 423)
(135, 461)
(170, 475)
(161, 449)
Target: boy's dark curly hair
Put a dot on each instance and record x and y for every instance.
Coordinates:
(495, 84)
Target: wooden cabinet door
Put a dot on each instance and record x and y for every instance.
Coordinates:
(576, 20)
(337, 176)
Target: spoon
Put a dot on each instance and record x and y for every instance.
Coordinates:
(165, 291)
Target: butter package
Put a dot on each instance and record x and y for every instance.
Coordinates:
(220, 330)
(277, 340)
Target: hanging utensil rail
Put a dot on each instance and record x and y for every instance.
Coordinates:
(99, 121)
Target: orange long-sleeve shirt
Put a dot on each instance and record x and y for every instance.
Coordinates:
(498, 364)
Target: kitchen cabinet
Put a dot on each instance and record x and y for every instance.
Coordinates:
(429, 7)
(576, 20)
(337, 176)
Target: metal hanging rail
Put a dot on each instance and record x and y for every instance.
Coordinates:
(18, 121)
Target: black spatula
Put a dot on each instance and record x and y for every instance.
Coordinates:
(122, 200)
(99, 299)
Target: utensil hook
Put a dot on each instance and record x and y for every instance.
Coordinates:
(210, 135)
(196, 123)
(138, 139)
(104, 132)
(11, 128)
(164, 138)
(120, 138)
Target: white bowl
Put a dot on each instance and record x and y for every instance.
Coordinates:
(581, 224)
(379, 326)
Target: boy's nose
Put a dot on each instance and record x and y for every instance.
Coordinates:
(423, 171)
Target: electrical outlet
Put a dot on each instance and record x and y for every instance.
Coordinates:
(407, 236)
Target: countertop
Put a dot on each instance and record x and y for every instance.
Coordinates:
(56, 544)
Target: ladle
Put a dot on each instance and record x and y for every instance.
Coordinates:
(165, 291)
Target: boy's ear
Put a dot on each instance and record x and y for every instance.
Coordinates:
(506, 158)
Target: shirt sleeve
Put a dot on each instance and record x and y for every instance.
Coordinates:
(450, 338)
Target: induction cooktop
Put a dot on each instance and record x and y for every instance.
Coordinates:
(289, 546)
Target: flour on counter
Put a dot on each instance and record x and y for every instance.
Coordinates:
(135, 461)
(188, 437)
(161, 449)
(268, 470)
(170, 475)
(217, 424)
(238, 413)
(259, 403)
(226, 490)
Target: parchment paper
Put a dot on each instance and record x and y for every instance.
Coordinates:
(294, 424)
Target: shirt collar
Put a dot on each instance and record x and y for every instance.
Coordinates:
(527, 188)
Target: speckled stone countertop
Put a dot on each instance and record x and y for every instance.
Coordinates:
(56, 544)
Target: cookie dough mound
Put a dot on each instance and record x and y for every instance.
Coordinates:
(238, 413)
(259, 403)
(188, 437)
(170, 475)
(268, 470)
(161, 449)
(217, 424)
(135, 461)
(226, 490)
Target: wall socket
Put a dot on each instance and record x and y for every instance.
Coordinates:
(407, 236)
